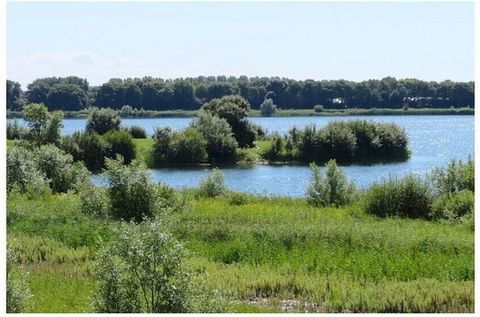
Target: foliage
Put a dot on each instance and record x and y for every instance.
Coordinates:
(237, 198)
(141, 271)
(119, 143)
(277, 146)
(73, 93)
(331, 189)
(318, 108)
(234, 109)
(408, 196)
(348, 141)
(163, 138)
(15, 131)
(22, 171)
(137, 132)
(213, 185)
(89, 147)
(52, 130)
(94, 200)
(221, 145)
(456, 177)
(102, 121)
(59, 169)
(268, 108)
(18, 291)
(453, 206)
(131, 191)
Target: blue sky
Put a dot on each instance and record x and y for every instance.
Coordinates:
(354, 41)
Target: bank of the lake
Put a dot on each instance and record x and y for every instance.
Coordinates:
(82, 114)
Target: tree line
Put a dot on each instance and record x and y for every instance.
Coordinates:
(73, 93)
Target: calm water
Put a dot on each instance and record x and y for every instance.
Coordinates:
(434, 140)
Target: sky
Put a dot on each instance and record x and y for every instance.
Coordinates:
(353, 41)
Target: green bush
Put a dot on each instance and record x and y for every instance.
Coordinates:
(89, 147)
(94, 200)
(237, 199)
(318, 108)
(141, 271)
(333, 189)
(43, 126)
(137, 132)
(187, 146)
(15, 131)
(22, 171)
(276, 148)
(453, 206)
(268, 108)
(59, 169)
(119, 143)
(103, 120)
(131, 192)
(18, 291)
(456, 177)
(406, 197)
(221, 145)
(163, 138)
(213, 185)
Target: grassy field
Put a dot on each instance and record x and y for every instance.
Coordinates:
(268, 255)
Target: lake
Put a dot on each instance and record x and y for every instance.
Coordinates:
(433, 140)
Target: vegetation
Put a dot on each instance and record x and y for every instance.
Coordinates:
(333, 189)
(213, 185)
(18, 291)
(137, 132)
(102, 121)
(268, 108)
(73, 93)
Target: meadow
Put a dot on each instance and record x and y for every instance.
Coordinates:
(265, 255)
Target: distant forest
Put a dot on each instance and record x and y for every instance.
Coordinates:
(74, 93)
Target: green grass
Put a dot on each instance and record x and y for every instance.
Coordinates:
(270, 254)
(143, 148)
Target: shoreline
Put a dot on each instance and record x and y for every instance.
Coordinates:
(281, 113)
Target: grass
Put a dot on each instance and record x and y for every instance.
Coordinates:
(143, 148)
(269, 254)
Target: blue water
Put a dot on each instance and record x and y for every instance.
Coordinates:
(433, 140)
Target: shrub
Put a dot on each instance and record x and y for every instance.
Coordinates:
(187, 146)
(94, 200)
(22, 172)
(213, 185)
(408, 197)
(59, 169)
(237, 199)
(141, 271)
(15, 131)
(453, 206)
(131, 192)
(163, 138)
(18, 291)
(268, 108)
(43, 127)
(331, 189)
(276, 147)
(456, 177)
(103, 120)
(137, 132)
(52, 130)
(119, 143)
(318, 108)
(337, 141)
(221, 145)
(87, 147)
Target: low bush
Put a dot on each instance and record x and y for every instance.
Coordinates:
(221, 145)
(137, 132)
(15, 131)
(213, 185)
(237, 199)
(268, 108)
(141, 271)
(59, 169)
(453, 206)
(331, 189)
(276, 148)
(406, 197)
(131, 191)
(94, 201)
(18, 291)
(457, 176)
(163, 138)
(89, 147)
(22, 171)
(103, 120)
(119, 143)
(318, 108)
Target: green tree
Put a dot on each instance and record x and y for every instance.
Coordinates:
(103, 120)
(268, 108)
(36, 116)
